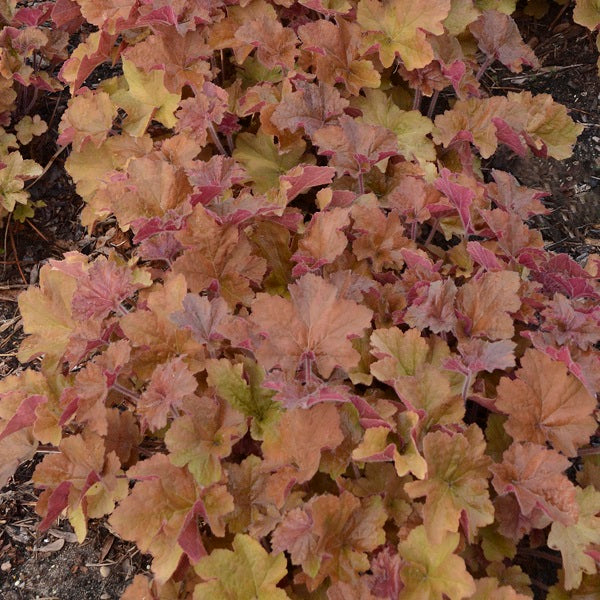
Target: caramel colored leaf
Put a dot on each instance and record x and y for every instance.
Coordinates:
(433, 571)
(259, 495)
(400, 28)
(485, 304)
(159, 515)
(498, 36)
(276, 45)
(314, 325)
(88, 118)
(471, 120)
(106, 13)
(545, 403)
(488, 588)
(300, 437)
(544, 123)
(324, 239)
(535, 475)
(81, 478)
(310, 107)
(337, 51)
(330, 536)
(29, 127)
(218, 257)
(47, 315)
(456, 484)
(380, 238)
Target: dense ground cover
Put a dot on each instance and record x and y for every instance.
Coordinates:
(312, 344)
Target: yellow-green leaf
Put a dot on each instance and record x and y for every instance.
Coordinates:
(246, 573)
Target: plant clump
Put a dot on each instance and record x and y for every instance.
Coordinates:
(337, 362)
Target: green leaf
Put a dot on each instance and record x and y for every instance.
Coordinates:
(263, 161)
(246, 396)
(411, 127)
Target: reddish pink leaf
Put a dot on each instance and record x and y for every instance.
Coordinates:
(66, 14)
(86, 57)
(213, 177)
(56, 503)
(560, 273)
(433, 307)
(32, 16)
(570, 322)
(303, 177)
(486, 258)
(385, 580)
(25, 415)
(480, 355)
(460, 197)
(198, 113)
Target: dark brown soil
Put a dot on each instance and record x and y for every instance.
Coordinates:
(51, 566)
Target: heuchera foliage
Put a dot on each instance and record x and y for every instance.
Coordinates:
(338, 362)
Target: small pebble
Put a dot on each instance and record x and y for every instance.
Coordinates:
(5, 566)
(104, 571)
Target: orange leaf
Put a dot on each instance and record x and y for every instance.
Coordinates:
(337, 51)
(545, 403)
(534, 474)
(314, 325)
(456, 485)
(399, 28)
(300, 437)
(330, 535)
(485, 304)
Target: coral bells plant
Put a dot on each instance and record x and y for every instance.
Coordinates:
(337, 363)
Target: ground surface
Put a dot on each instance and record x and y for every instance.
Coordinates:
(54, 567)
